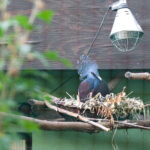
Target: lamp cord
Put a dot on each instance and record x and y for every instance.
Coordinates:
(98, 32)
(89, 49)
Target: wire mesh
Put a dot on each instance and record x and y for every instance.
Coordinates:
(126, 40)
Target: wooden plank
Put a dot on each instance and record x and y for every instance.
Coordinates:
(74, 26)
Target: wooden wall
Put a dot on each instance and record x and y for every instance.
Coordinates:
(74, 26)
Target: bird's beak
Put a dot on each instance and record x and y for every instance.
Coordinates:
(98, 77)
(94, 74)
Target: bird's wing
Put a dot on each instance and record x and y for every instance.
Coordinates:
(83, 90)
(104, 89)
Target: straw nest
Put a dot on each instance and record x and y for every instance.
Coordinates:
(113, 106)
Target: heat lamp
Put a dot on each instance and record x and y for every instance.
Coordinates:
(126, 32)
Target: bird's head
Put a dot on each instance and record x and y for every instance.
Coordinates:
(85, 67)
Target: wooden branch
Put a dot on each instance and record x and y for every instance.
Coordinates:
(140, 76)
(76, 126)
(38, 103)
(130, 123)
(54, 125)
(146, 105)
(84, 119)
(34, 102)
(121, 123)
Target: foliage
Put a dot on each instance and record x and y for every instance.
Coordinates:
(45, 15)
(15, 50)
(53, 55)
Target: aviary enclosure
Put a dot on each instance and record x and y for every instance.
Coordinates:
(74, 74)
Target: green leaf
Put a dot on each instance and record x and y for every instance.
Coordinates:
(66, 62)
(1, 33)
(24, 22)
(45, 15)
(29, 126)
(47, 97)
(41, 57)
(1, 86)
(52, 55)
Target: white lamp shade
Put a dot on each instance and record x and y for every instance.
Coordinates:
(126, 33)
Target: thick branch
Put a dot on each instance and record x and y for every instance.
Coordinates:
(76, 126)
(140, 76)
(54, 100)
(84, 119)
(37, 103)
(53, 125)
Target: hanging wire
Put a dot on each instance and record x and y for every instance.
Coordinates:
(89, 49)
(98, 32)
(61, 84)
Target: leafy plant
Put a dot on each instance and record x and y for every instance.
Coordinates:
(15, 50)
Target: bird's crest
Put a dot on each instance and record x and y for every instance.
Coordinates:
(86, 66)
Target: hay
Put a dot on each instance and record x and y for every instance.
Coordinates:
(113, 106)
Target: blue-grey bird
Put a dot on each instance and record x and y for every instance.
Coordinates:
(92, 83)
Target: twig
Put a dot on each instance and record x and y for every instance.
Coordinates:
(69, 95)
(147, 105)
(141, 76)
(84, 119)
(131, 124)
(54, 100)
